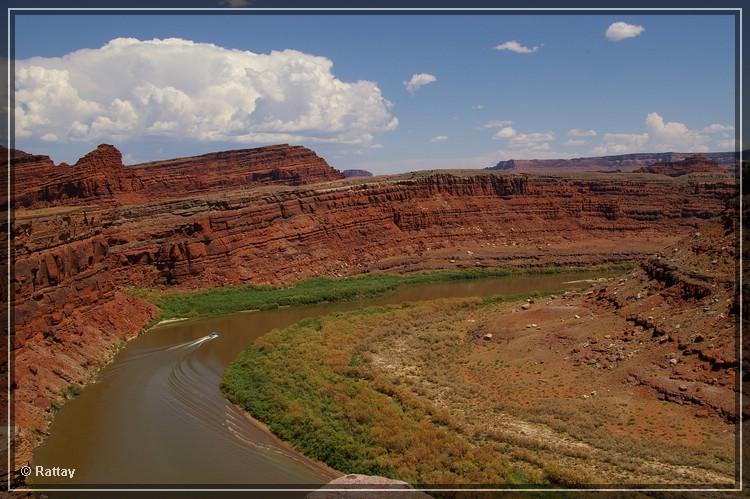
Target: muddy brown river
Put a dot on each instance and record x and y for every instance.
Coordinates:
(156, 416)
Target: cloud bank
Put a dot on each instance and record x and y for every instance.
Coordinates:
(661, 135)
(528, 142)
(577, 132)
(172, 87)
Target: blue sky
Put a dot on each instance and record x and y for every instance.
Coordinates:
(669, 86)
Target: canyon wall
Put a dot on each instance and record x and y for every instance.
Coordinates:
(622, 162)
(694, 164)
(101, 176)
(74, 262)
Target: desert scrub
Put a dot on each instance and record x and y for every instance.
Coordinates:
(408, 391)
(229, 299)
(316, 386)
(71, 391)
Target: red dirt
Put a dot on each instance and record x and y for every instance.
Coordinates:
(651, 355)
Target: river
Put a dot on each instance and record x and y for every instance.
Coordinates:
(156, 415)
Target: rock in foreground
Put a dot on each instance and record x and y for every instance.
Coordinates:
(387, 488)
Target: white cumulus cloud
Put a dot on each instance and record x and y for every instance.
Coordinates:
(172, 87)
(536, 141)
(439, 138)
(673, 135)
(505, 133)
(718, 128)
(419, 80)
(517, 47)
(622, 143)
(497, 123)
(621, 30)
(661, 135)
(530, 138)
(727, 145)
(577, 132)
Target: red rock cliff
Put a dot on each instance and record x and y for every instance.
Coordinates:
(100, 176)
(72, 263)
(693, 164)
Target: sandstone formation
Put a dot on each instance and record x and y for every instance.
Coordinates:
(100, 176)
(356, 173)
(693, 164)
(75, 261)
(366, 485)
(623, 162)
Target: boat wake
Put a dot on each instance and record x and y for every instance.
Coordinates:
(127, 362)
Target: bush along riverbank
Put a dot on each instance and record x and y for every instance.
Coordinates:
(320, 386)
(219, 301)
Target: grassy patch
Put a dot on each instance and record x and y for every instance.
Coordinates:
(230, 299)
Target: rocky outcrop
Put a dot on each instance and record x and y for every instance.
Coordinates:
(622, 163)
(357, 486)
(74, 262)
(98, 176)
(683, 314)
(356, 173)
(281, 164)
(693, 164)
(101, 177)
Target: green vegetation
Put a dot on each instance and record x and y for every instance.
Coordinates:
(229, 299)
(313, 386)
(71, 391)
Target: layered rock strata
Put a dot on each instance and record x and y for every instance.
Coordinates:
(101, 177)
(73, 261)
(695, 164)
(622, 162)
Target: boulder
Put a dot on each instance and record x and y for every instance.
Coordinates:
(360, 486)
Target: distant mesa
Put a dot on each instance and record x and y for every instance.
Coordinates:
(610, 164)
(356, 173)
(693, 164)
(101, 177)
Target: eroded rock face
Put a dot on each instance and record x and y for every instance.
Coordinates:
(281, 164)
(622, 162)
(681, 310)
(100, 176)
(72, 263)
(694, 164)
